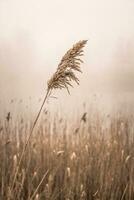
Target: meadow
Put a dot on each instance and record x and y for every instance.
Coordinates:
(85, 159)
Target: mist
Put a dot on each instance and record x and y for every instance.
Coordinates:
(36, 34)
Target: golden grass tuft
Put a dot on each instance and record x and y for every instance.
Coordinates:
(69, 64)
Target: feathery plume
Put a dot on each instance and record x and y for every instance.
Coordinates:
(70, 63)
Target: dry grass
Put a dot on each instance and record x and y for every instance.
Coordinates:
(69, 64)
(62, 78)
(82, 160)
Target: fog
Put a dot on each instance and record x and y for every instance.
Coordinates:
(34, 35)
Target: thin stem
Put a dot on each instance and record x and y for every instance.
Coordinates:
(34, 124)
(36, 190)
(27, 142)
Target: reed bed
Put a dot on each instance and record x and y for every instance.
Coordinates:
(84, 160)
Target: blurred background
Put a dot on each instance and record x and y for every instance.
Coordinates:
(34, 35)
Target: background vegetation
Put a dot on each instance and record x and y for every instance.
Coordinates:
(90, 157)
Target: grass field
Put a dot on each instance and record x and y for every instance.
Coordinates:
(91, 157)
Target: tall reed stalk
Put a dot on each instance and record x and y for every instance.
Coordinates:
(62, 78)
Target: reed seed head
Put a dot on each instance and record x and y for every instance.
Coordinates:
(69, 64)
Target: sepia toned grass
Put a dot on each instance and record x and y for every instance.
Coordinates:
(84, 159)
(69, 64)
(62, 78)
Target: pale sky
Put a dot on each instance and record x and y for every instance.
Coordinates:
(35, 34)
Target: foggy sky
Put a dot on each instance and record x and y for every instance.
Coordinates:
(34, 35)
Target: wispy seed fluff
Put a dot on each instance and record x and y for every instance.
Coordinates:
(69, 64)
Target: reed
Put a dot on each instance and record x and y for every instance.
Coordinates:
(96, 162)
(62, 78)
